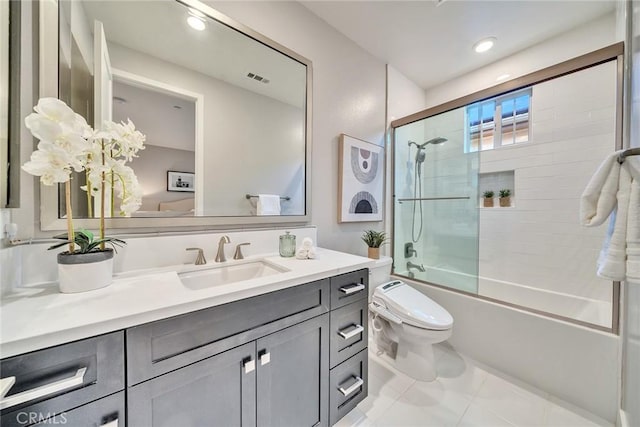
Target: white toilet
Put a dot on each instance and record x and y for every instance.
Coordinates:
(406, 324)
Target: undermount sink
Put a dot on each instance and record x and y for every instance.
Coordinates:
(225, 274)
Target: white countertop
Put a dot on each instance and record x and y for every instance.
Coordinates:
(37, 317)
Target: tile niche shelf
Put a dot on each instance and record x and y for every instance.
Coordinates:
(496, 181)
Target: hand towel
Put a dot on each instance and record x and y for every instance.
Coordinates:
(614, 192)
(268, 204)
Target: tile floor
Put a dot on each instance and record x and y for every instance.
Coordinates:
(464, 394)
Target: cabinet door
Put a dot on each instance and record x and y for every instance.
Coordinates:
(218, 391)
(292, 375)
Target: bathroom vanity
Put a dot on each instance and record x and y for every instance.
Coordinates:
(287, 349)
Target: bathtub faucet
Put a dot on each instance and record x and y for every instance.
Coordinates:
(411, 265)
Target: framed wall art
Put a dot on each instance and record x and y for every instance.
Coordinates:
(361, 182)
(181, 181)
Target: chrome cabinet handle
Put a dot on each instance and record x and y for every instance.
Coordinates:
(265, 358)
(353, 387)
(357, 330)
(249, 366)
(43, 390)
(352, 289)
(5, 385)
(113, 423)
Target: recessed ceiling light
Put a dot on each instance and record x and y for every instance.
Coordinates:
(503, 77)
(484, 44)
(196, 23)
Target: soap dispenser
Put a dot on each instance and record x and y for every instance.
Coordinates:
(287, 245)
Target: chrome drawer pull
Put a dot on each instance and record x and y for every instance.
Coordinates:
(113, 423)
(44, 390)
(249, 366)
(357, 330)
(5, 385)
(265, 358)
(353, 387)
(352, 289)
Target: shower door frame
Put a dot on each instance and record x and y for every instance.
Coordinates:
(614, 52)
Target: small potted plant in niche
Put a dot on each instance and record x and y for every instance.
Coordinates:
(488, 198)
(68, 144)
(374, 239)
(505, 198)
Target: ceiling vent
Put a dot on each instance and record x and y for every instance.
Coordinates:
(257, 78)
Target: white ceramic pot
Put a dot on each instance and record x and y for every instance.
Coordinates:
(85, 272)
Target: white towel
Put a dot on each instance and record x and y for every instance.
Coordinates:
(613, 193)
(268, 204)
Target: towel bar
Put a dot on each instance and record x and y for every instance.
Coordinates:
(627, 153)
(249, 196)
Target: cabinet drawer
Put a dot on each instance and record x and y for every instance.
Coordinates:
(105, 412)
(349, 331)
(349, 287)
(348, 385)
(56, 379)
(163, 346)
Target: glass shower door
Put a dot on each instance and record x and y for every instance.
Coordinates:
(435, 237)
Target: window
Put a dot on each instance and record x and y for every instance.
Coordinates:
(498, 121)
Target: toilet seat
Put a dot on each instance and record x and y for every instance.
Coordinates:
(400, 303)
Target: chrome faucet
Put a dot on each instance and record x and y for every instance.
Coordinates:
(238, 252)
(411, 265)
(200, 259)
(220, 257)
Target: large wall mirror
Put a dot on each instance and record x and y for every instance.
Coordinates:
(225, 110)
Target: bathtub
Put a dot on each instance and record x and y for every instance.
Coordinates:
(592, 311)
(574, 363)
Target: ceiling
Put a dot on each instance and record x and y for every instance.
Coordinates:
(432, 44)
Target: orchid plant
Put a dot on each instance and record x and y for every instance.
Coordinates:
(68, 144)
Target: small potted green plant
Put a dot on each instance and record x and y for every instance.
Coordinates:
(505, 198)
(488, 198)
(374, 239)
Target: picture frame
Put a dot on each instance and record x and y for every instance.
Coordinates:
(181, 181)
(361, 181)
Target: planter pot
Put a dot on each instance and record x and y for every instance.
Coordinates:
(374, 253)
(505, 202)
(488, 202)
(85, 272)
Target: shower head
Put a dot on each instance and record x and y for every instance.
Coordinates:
(434, 141)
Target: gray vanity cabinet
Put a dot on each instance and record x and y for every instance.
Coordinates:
(218, 391)
(292, 375)
(348, 384)
(277, 380)
(75, 384)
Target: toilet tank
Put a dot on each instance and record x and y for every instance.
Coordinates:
(379, 273)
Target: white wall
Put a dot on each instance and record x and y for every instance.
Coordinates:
(262, 135)
(151, 169)
(348, 97)
(581, 40)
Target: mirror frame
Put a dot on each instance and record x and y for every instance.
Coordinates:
(10, 108)
(48, 79)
